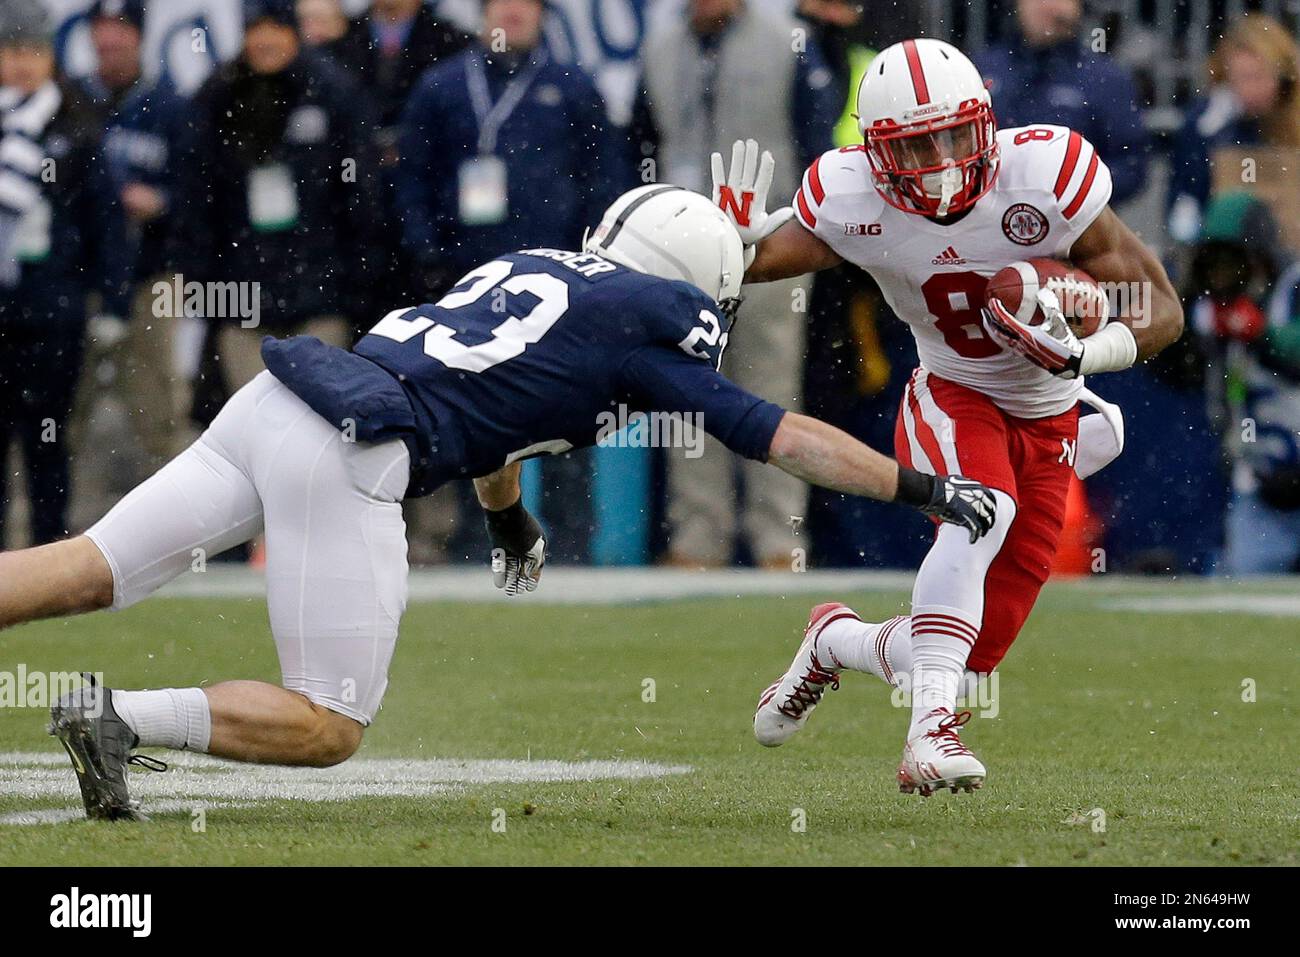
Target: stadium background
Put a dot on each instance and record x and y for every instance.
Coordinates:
(1161, 508)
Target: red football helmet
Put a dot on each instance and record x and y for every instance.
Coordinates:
(927, 124)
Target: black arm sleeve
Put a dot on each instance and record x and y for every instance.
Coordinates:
(662, 379)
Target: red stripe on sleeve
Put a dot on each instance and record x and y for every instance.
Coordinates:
(1082, 194)
(815, 182)
(918, 74)
(1071, 161)
(805, 213)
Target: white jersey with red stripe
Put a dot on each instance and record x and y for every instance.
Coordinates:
(1050, 187)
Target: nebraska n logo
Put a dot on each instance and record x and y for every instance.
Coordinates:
(737, 211)
(1068, 448)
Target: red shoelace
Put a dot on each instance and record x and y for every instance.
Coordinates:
(809, 690)
(945, 735)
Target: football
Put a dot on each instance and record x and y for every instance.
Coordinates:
(1083, 301)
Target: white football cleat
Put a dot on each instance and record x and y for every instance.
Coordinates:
(786, 704)
(935, 758)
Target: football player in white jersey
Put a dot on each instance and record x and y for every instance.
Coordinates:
(933, 203)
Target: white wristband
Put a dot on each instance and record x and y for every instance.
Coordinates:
(1109, 349)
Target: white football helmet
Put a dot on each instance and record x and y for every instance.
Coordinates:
(927, 121)
(673, 233)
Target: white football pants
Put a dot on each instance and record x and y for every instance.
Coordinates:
(335, 540)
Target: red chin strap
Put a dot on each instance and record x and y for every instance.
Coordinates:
(903, 186)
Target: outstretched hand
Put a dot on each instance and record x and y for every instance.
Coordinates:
(741, 192)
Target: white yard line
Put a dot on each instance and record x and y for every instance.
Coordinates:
(197, 781)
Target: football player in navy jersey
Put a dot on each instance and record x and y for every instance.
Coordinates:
(520, 358)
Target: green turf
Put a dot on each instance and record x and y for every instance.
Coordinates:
(1139, 715)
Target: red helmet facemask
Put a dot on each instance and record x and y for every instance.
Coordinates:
(935, 167)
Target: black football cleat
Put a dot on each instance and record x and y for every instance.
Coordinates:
(99, 744)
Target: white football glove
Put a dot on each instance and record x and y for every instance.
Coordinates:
(1052, 345)
(515, 572)
(742, 193)
(518, 548)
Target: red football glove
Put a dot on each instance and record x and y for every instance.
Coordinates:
(1059, 353)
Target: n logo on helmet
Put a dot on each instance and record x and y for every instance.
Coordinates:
(738, 211)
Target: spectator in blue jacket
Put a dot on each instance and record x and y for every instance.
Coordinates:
(501, 148)
(278, 186)
(143, 122)
(1045, 74)
(387, 50)
(60, 241)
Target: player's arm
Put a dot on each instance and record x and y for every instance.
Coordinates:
(1153, 318)
(500, 490)
(790, 251)
(1110, 252)
(518, 542)
(1095, 240)
(821, 454)
(668, 380)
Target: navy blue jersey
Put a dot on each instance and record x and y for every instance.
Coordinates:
(528, 354)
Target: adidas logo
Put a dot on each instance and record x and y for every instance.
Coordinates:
(949, 257)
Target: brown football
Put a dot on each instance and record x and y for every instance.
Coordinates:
(1083, 301)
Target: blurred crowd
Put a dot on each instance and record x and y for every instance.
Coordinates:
(347, 160)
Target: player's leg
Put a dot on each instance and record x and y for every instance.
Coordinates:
(336, 575)
(336, 589)
(49, 581)
(954, 430)
(942, 429)
(199, 504)
(1044, 471)
(195, 507)
(262, 723)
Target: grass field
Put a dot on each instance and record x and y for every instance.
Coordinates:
(1107, 715)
